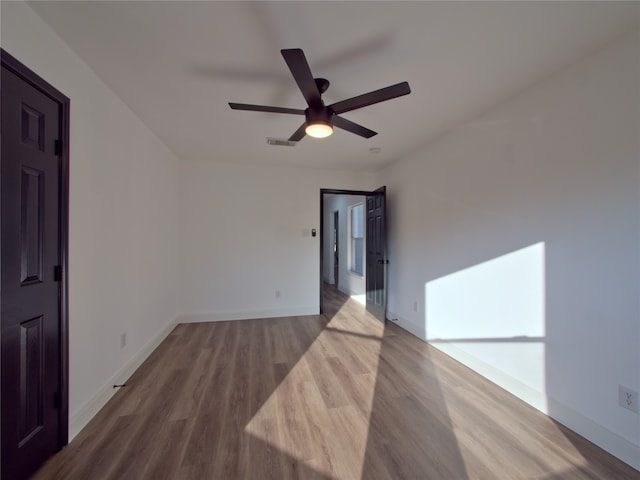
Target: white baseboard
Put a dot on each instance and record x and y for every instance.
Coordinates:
(246, 315)
(408, 325)
(615, 444)
(79, 419)
(532, 396)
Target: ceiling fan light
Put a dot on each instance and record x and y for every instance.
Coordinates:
(319, 129)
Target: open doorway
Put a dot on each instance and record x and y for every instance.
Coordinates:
(343, 265)
(353, 246)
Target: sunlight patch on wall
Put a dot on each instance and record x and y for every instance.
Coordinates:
(494, 312)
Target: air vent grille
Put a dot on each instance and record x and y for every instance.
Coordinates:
(280, 142)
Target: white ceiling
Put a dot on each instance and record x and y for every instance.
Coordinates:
(177, 64)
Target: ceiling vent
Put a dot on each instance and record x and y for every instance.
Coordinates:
(280, 142)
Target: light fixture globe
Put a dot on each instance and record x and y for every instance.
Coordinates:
(319, 122)
(319, 129)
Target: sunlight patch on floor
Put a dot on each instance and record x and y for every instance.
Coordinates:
(329, 404)
(361, 299)
(570, 463)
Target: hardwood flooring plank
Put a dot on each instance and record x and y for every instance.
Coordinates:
(351, 438)
(105, 457)
(142, 442)
(164, 462)
(227, 462)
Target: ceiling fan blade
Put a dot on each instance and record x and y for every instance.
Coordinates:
(264, 108)
(352, 127)
(298, 134)
(370, 98)
(301, 72)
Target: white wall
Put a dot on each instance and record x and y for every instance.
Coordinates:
(245, 235)
(123, 219)
(523, 227)
(348, 282)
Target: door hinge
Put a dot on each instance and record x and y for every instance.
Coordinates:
(57, 273)
(57, 400)
(58, 147)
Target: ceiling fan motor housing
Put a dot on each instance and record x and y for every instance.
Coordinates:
(319, 115)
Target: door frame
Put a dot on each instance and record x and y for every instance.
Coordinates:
(336, 252)
(331, 191)
(30, 77)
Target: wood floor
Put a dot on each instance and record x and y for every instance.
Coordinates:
(337, 396)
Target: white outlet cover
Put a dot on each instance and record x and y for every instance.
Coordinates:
(628, 398)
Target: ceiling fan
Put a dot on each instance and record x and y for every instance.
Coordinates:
(320, 118)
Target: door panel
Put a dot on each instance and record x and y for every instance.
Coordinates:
(31, 290)
(31, 400)
(376, 254)
(32, 222)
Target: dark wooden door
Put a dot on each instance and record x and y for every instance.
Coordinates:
(31, 310)
(376, 254)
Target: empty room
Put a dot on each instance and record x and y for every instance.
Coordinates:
(320, 240)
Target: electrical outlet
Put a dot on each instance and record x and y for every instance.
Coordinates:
(416, 308)
(277, 293)
(628, 398)
(123, 340)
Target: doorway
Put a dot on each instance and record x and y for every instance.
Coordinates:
(375, 261)
(34, 233)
